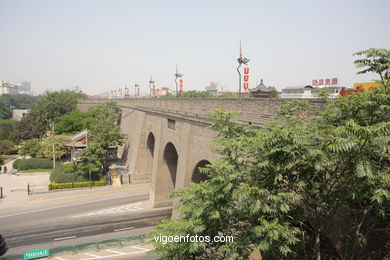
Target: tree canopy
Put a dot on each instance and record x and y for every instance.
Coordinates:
(376, 61)
(5, 108)
(54, 105)
(104, 131)
(297, 189)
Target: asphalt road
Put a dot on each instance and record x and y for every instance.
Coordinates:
(76, 219)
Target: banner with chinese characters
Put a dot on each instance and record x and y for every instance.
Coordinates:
(325, 82)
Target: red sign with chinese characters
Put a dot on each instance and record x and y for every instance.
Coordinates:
(325, 82)
(181, 86)
(246, 77)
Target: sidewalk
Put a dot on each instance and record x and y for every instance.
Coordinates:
(15, 188)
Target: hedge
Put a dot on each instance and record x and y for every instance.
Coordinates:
(68, 185)
(67, 173)
(33, 163)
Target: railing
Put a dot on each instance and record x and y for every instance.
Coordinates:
(125, 178)
(83, 247)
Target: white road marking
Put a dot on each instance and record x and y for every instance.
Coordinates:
(116, 252)
(116, 210)
(122, 229)
(70, 205)
(122, 254)
(140, 248)
(64, 238)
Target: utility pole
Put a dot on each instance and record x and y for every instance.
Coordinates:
(54, 149)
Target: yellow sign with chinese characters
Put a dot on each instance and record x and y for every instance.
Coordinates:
(366, 85)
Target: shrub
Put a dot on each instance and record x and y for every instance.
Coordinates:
(1, 161)
(71, 173)
(68, 185)
(33, 163)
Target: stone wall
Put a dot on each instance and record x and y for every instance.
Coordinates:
(165, 156)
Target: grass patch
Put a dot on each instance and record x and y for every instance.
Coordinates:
(36, 170)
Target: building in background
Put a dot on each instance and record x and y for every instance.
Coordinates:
(214, 88)
(7, 88)
(163, 92)
(261, 90)
(309, 91)
(366, 85)
(18, 114)
(25, 87)
(331, 85)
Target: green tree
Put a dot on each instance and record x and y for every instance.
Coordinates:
(195, 94)
(6, 146)
(376, 61)
(9, 130)
(228, 95)
(297, 189)
(74, 122)
(60, 150)
(50, 108)
(21, 101)
(30, 129)
(30, 148)
(274, 93)
(104, 131)
(5, 108)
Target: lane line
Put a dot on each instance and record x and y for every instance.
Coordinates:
(64, 238)
(122, 229)
(116, 252)
(106, 256)
(88, 254)
(59, 258)
(140, 248)
(87, 194)
(64, 206)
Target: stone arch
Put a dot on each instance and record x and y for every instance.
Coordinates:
(149, 154)
(150, 143)
(165, 176)
(170, 159)
(197, 176)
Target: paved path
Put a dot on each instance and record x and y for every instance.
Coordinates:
(15, 187)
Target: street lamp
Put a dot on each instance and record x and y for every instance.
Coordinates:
(241, 60)
(151, 82)
(177, 75)
(135, 87)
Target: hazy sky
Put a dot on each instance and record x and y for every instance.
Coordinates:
(103, 45)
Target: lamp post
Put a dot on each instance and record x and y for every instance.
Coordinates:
(135, 87)
(177, 75)
(151, 82)
(241, 60)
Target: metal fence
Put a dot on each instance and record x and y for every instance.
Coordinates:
(125, 179)
(83, 247)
